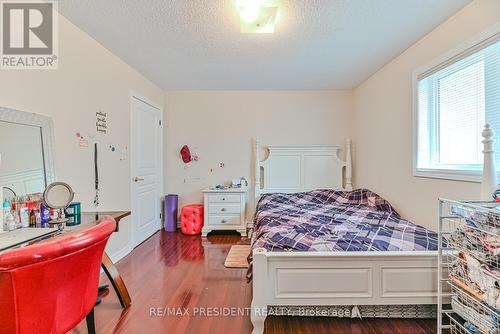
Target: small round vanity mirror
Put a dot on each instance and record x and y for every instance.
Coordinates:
(58, 195)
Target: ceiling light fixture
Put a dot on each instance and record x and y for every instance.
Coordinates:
(257, 16)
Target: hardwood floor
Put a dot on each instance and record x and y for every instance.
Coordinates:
(184, 275)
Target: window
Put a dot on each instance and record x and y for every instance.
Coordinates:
(454, 102)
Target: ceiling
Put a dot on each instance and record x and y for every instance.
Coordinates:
(318, 44)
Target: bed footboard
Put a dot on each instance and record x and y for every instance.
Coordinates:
(341, 278)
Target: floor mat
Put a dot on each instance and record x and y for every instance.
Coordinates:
(237, 257)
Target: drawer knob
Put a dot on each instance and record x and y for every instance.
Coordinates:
(223, 221)
(223, 209)
(223, 198)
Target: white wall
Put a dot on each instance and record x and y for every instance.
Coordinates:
(89, 78)
(220, 126)
(383, 121)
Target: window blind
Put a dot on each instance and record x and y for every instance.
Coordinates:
(455, 101)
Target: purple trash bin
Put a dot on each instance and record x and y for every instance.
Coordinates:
(170, 217)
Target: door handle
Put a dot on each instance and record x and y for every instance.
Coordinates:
(137, 179)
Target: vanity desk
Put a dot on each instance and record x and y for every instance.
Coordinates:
(10, 240)
(21, 177)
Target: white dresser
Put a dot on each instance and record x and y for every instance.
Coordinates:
(225, 210)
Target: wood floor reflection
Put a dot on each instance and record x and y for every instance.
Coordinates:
(179, 284)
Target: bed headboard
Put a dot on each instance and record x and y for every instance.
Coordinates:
(296, 168)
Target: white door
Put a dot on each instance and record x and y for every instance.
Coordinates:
(146, 169)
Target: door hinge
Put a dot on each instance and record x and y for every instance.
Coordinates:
(160, 215)
(159, 122)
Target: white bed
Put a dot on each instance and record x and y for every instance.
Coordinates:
(329, 278)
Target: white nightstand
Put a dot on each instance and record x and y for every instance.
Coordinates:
(225, 210)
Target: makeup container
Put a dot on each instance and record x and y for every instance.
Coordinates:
(73, 209)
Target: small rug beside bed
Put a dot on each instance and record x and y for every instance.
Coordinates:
(237, 257)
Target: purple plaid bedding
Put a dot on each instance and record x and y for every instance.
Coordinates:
(328, 220)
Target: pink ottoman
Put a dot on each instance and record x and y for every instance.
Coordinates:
(192, 219)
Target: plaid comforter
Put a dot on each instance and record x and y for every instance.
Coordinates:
(327, 220)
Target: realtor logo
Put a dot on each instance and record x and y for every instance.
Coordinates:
(29, 35)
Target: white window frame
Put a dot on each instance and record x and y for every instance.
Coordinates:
(469, 47)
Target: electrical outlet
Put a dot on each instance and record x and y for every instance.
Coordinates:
(221, 164)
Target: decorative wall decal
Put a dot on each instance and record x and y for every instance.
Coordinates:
(101, 122)
(186, 154)
(82, 142)
(194, 155)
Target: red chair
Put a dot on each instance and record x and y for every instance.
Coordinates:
(49, 287)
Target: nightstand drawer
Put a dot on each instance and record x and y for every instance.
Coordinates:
(224, 208)
(224, 220)
(224, 198)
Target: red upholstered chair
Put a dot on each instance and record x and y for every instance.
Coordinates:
(49, 287)
(192, 219)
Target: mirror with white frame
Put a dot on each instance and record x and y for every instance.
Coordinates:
(26, 141)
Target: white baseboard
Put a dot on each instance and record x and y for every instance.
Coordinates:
(121, 253)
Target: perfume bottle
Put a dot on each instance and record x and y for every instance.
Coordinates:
(44, 213)
(33, 218)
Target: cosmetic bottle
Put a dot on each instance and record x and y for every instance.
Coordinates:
(32, 218)
(10, 221)
(44, 213)
(5, 213)
(15, 207)
(54, 214)
(17, 219)
(6, 207)
(24, 216)
(29, 204)
(38, 219)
